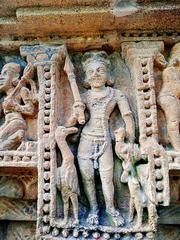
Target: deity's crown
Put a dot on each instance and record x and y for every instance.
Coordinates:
(96, 56)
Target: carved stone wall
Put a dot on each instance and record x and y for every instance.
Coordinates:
(89, 120)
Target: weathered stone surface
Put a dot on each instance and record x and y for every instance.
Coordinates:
(167, 232)
(20, 230)
(89, 119)
(46, 59)
(107, 18)
(17, 210)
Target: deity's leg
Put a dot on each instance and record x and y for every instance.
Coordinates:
(108, 188)
(85, 151)
(87, 173)
(106, 174)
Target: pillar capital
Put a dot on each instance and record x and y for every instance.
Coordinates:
(144, 49)
(41, 54)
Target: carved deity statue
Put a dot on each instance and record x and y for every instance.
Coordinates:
(20, 102)
(168, 98)
(95, 148)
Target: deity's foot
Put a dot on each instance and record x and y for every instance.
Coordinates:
(93, 218)
(64, 221)
(138, 225)
(75, 222)
(117, 219)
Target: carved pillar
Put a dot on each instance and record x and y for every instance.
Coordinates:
(140, 57)
(47, 60)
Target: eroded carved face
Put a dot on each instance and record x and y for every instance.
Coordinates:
(9, 73)
(160, 60)
(5, 75)
(96, 74)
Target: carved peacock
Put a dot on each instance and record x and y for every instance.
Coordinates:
(68, 179)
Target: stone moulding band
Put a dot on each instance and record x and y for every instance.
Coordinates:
(18, 159)
(80, 42)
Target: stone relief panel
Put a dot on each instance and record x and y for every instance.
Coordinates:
(82, 167)
(102, 169)
(19, 108)
(16, 230)
(18, 150)
(142, 67)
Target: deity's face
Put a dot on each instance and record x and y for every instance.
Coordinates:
(96, 74)
(9, 74)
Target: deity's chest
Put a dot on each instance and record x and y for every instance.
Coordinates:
(101, 107)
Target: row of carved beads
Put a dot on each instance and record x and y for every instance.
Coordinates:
(47, 98)
(150, 127)
(159, 178)
(146, 94)
(18, 158)
(65, 233)
(46, 187)
(47, 152)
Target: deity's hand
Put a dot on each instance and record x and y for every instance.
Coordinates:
(23, 81)
(28, 71)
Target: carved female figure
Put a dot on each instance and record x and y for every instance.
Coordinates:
(19, 102)
(95, 148)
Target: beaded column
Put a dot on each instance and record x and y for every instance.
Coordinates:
(140, 58)
(47, 60)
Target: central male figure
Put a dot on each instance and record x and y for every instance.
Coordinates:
(95, 148)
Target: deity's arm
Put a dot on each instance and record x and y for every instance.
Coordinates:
(78, 106)
(78, 113)
(126, 114)
(86, 110)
